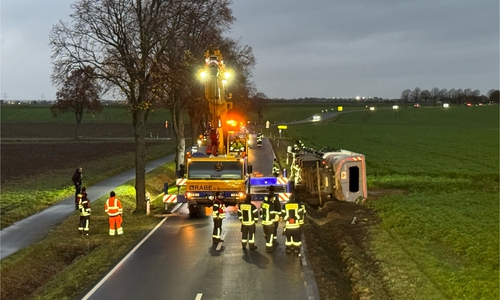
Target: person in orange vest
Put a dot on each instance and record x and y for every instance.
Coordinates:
(113, 207)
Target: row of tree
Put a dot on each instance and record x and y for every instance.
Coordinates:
(457, 96)
(147, 52)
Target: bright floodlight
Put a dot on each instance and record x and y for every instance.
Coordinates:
(446, 105)
(395, 107)
(372, 108)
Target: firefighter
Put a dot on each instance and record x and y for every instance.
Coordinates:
(113, 207)
(302, 213)
(278, 216)
(260, 136)
(291, 216)
(269, 217)
(276, 168)
(218, 213)
(84, 208)
(237, 146)
(248, 215)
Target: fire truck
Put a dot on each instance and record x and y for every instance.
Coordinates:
(218, 165)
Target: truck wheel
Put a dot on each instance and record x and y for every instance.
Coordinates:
(194, 210)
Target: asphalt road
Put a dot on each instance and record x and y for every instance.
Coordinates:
(177, 260)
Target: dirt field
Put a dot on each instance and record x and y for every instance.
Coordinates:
(336, 248)
(29, 149)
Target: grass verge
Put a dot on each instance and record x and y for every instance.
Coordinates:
(65, 264)
(49, 188)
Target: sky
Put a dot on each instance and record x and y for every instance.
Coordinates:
(318, 48)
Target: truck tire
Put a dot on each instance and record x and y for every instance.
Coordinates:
(194, 210)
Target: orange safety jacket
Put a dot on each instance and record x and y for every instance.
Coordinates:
(113, 207)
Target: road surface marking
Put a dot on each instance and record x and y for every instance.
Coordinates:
(198, 296)
(89, 294)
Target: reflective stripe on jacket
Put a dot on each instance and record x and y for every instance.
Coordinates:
(267, 212)
(84, 207)
(113, 207)
(291, 215)
(218, 209)
(248, 214)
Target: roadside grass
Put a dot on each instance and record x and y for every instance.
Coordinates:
(53, 186)
(65, 264)
(441, 239)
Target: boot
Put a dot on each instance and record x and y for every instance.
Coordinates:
(252, 247)
(244, 246)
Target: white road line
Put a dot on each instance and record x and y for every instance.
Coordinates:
(198, 296)
(222, 237)
(89, 294)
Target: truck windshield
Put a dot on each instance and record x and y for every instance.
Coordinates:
(215, 170)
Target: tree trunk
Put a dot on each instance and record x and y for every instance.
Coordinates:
(77, 131)
(140, 159)
(180, 140)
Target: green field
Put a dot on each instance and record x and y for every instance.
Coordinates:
(41, 113)
(441, 239)
(437, 240)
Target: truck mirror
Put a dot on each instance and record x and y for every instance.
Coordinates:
(249, 169)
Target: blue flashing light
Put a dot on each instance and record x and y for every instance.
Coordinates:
(263, 181)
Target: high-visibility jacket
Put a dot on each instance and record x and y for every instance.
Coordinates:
(248, 213)
(113, 207)
(302, 212)
(218, 209)
(291, 215)
(268, 213)
(84, 205)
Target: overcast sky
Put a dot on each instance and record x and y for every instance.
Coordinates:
(319, 48)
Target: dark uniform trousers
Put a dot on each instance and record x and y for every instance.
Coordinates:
(248, 215)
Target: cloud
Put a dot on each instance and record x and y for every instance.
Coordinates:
(319, 48)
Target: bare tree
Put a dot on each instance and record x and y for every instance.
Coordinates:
(79, 93)
(405, 96)
(415, 95)
(460, 96)
(468, 96)
(424, 95)
(453, 94)
(494, 95)
(127, 42)
(260, 104)
(184, 58)
(444, 95)
(434, 95)
(476, 95)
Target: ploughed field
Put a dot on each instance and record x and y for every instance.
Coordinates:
(33, 148)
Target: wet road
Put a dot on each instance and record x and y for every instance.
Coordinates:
(178, 261)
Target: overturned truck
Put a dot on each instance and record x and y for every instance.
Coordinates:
(339, 175)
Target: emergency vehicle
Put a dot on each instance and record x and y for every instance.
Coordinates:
(215, 167)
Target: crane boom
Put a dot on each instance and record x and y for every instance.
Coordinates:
(215, 93)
